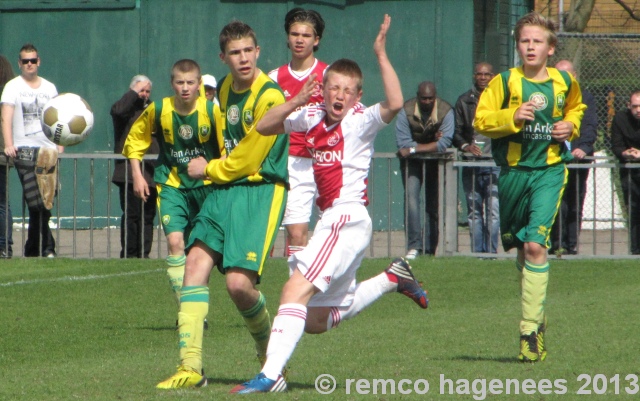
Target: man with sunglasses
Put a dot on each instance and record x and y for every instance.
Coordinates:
(23, 99)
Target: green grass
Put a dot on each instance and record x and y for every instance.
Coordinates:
(104, 330)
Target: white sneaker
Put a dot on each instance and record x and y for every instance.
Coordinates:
(412, 254)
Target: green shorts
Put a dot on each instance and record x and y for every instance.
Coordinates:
(178, 207)
(241, 223)
(529, 202)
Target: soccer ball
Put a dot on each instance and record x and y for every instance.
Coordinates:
(66, 119)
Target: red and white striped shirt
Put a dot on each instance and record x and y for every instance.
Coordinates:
(341, 153)
(291, 84)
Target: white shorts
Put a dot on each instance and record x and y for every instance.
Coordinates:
(334, 253)
(302, 191)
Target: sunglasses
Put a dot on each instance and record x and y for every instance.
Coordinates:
(26, 61)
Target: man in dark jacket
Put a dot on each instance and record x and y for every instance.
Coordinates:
(480, 184)
(424, 125)
(625, 144)
(136, 234)
(564, 233)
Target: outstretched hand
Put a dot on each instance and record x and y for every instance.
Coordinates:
(309, 88)
(379, 46)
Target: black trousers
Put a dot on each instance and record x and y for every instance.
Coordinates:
(40, 241)
(630, 182)
(566, 227)
(136, 233)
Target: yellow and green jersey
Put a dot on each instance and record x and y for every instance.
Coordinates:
(251, 157)
(530, 144)
(181, 138)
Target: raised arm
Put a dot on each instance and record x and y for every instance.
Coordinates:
(392, 90)
(272, 123)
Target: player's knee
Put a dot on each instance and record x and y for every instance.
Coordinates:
(175, 243)
(240, 289)
(314, 325)
(534, 250)
(298, 234)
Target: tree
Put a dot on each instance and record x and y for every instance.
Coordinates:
(628, 9)
(579, 15)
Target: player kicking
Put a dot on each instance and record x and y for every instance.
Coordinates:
(322, 290)
(529, 112)
(185, 128)
(304, 30)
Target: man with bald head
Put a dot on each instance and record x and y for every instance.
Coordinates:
(480, 184)
(424, 125)
(564, 234)
(625, 145)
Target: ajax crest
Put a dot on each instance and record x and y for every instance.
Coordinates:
(333, 139)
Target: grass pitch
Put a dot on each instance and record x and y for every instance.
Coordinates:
(105, 330)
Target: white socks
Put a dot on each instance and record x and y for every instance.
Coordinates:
(286, 331)
(367, 293)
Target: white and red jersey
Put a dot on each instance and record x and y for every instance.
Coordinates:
(341, 153)
(291, 83)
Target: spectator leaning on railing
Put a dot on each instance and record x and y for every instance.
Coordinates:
(425, 124)
(625, 143)
(480, 184)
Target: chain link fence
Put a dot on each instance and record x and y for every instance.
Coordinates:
(608, 66)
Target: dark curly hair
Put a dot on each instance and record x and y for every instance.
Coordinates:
(311, 17)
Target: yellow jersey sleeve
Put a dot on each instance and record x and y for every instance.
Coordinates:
(139, 138)
(574, 108)
(248, 155)
(491, 119)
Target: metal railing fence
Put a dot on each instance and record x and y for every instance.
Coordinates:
(86, 214)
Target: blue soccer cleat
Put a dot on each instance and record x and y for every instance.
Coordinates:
(407, 283)
(260, 384)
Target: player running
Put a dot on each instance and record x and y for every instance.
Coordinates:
(530, 112)
(322, 290)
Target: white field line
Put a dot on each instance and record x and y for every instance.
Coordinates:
(77, 278)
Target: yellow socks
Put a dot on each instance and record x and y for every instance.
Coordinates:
(259, 324)
(194, 306)
(175, 272)
(534, 292)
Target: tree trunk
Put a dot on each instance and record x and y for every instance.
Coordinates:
(579, 15)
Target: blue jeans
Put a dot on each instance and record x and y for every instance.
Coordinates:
(480, 186)
(6, 219)
(415, 174)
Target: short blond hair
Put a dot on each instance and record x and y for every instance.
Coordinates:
(536, 19)
(346, 67)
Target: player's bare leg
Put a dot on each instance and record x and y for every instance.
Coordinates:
(297, 237)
